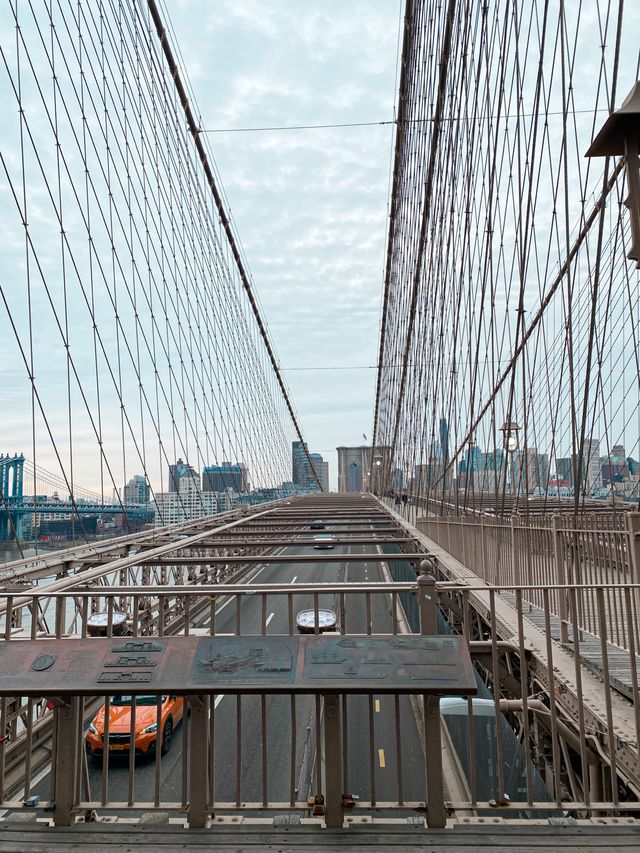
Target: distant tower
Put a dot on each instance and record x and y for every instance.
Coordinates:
(11, 477)
(299, 463)
(180, 471)
(321, 469)
(354, 468)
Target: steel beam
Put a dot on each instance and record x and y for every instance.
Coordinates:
(281, 558)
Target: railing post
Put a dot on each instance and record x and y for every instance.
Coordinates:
(514, 553)
(632, 524)
(561, 578)
(483, 552)
(332, 761)
(66, 761)
(427, 601)
(462, 546)
(436, 814)
(197, 814)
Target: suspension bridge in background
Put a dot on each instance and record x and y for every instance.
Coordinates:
(48, 502)
(453, 645)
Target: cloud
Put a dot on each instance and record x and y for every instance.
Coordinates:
(309, 206)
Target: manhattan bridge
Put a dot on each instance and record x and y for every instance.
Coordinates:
(449, 652)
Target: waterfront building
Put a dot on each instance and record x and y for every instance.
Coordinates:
(223, 477)
(180, 471)
(136, 491)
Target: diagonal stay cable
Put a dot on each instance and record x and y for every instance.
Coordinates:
(195, 132)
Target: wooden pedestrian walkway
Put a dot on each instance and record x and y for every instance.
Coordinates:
(590, 648)
(613, 836)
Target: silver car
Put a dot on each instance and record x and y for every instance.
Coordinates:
(324, 540)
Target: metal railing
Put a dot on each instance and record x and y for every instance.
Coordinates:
(545, 552)
(302, 722)
(532, 744)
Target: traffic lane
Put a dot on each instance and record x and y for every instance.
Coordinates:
(277, 604)
(117, 773)
(225, 710)
(373, 762)
(277, 709)
(278, 753)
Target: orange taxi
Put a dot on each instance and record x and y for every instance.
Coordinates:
(146, 733)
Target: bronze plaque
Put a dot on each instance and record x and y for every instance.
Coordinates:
(230, 664)
(257, 662)
(402, 664)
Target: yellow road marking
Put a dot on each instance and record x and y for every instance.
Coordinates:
(381, 757)
(377, 706)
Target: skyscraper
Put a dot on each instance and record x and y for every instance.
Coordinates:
(180, 471)
(564, 469)
(322, 471)
(136, 491)
(299, 463)
(530, 471)
(225, 477)
(589, 467)
(306, 467)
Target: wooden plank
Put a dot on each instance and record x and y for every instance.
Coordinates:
(590, 650)
(118, 838)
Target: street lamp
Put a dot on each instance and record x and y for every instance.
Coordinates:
(619, 135)
(511, 443)
(510, 439)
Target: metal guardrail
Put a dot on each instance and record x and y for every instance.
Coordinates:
(543, 555)
(522, 748)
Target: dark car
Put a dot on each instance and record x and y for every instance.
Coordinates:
(318, 524)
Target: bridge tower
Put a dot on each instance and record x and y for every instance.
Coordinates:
(11, 479)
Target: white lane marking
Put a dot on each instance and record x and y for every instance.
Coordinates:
(295, 579)
(35, 780)
(269, 618)
(218, 700)
(222, 606)
(233, 597)
(257, 573)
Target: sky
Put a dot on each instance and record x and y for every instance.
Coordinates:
(310, 206)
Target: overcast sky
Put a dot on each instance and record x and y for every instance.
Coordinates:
(310, 206)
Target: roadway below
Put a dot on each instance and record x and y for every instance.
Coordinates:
(238, 729)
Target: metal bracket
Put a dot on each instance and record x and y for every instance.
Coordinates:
(316, 804)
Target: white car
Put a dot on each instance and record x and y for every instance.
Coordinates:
(324, 540)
